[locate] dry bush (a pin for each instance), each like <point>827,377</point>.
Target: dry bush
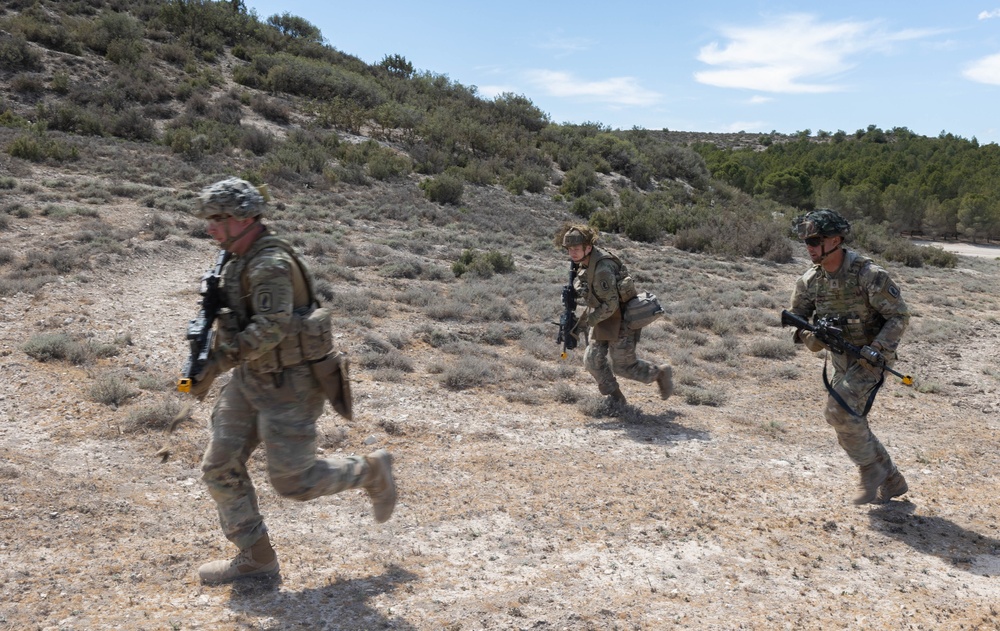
<point>60,346</point>
<point>111,388</point>
<point>155,416</point>
<point>772,348</point>
<point>712,396</point>
<point>469,371</point>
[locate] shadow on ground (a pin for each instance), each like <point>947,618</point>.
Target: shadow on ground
<point>339,605</point>
<point>962,548</point>
<point>658,429</point>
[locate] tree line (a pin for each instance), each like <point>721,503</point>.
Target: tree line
<point>942,187</point>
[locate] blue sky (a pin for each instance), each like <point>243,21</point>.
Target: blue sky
<point>707,66</point>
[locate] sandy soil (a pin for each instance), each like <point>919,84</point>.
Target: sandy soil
<point>513,514</point>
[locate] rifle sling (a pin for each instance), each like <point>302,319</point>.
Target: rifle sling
<point>840,400</point>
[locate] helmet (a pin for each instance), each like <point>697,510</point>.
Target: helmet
<point>231,196</point>
<point>821,222</point>
<point>576,236</point>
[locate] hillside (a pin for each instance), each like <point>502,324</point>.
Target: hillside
<point>525,500</point>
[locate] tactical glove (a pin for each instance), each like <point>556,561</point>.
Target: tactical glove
<point>203,381</point>
<point>872,357</point>
<point>811,341</point>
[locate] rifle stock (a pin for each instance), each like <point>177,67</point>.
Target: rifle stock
<point>833,338</point>
<point>199,331</point>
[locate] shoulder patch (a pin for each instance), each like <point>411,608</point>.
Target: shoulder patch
<point>892,290</point>
<point>264,302</point>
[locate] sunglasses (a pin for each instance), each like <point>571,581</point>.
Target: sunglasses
<point>813,241</point>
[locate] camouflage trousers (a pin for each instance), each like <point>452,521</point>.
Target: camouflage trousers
<point>279,410</point>
<point>854,382</point>
<point>623,361</point>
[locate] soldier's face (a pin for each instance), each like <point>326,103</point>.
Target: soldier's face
<point>578,253</point>
<point>819,247</point>
<point>225,229</point>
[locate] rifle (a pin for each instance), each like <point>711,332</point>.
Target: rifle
<point>199,331</point>
<point>568,321</point>
<point>826,331</point>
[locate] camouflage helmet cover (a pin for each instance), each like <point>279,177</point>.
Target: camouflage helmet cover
<point>576,236</point>
<point>821,222</point>
<point>231,196</point>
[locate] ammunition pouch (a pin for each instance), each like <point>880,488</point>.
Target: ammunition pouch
<point>332,375</point>
<point>308,339</point>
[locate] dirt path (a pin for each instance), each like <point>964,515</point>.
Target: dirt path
<point>965,249</point>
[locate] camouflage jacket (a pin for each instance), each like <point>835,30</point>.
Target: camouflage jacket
<point>866,303</point>
<point>603,285</point>
<point>268,292</point>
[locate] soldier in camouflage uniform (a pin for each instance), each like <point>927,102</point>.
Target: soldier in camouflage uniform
<point>603,284</point>
<point>866,304</point>
<point>270,330</point>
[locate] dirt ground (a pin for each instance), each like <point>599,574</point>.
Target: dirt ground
<point>513,514</point>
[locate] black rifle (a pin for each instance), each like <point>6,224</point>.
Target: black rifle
<point>199,331</point>
<point>827,331</point>
<point>567,321</point>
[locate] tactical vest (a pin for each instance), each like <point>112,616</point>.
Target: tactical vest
<point>307,337</point>
<point>626,287</point>
<point>608,328</point>
<point>844,300</point>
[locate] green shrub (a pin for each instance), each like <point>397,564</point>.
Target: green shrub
<point>39,148</point>
<point>584,206</point>
<point>483,264</point>
<point>939,257</point>
<point>125,51</point>
<point>257,140</point>
<point>271,109</point>
<point>16,54</point>
<point>133,125</point>
<point>579,180</point>
<point>386,165</point>
<point>113,30</point>
<point>27,83</point>
<point>443,189</point>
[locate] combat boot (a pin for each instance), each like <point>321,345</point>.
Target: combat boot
<point>665,380</point>
<point>894,486</point>
<point>379,485</point>
<point>872,476</point>
<point>258,560</point>
<point>617,397</point>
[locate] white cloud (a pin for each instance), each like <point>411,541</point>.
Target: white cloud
<point>564,46</point>
<point>985,70</point>
<point>758,99</point>
<point>622,91</point>
<point>985,15</point>
<point>793,54</point>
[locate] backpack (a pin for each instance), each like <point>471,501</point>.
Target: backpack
<point>641,311</point>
